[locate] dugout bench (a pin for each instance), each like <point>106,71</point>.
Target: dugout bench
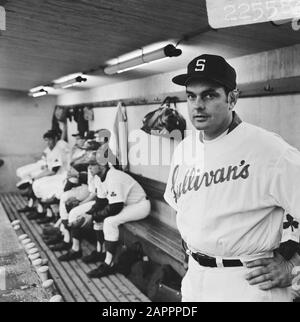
<point>160,241</point>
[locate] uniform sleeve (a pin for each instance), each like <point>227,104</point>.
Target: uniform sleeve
<point>169,193</point>
<point>57,161</point>
<point>115,190</point>
<point>285,190</point>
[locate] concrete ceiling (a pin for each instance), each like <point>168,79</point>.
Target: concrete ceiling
<point>47,39</point>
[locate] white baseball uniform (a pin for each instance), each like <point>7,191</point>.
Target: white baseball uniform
<point>230,195</point>
<point>52,186</point>
<point>117,187</point>
<point>80,211</point>
<point>29,171</point>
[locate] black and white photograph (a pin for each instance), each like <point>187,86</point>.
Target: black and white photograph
<point>149,154</point>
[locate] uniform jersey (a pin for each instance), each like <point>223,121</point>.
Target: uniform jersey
<point>230,193</point>
<point>77,153</point>
<point>119,186</point>
<point>58,157</point>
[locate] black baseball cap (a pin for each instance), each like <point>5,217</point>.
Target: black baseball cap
<point>79,135</point>
<point>51,134</point>
<point>209,67</point>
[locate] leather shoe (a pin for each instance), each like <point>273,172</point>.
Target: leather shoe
<point>60,246</point>
<point>101,271</point>
<point>94,257</point>
<point>25,209</point>
<point>35,215</point>
<point>45,220</point>
<point>52,240</point>
<point>70,255</point>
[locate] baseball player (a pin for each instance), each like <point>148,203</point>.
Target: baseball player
<point>77,220</point>
<point>70,199</point>
<point>230,184</point>
<point>75,193</point>
<point>30,171</point>
<point>37,170</point>
<point>50,183</point>
<point>121,199</point>
<point>27,174</point>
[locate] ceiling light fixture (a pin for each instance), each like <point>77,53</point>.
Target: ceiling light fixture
<point>145,58</point>
<point>38,93</point>
<point>71,82</point>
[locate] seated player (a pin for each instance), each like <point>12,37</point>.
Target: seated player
<point>38,170</point>
<point>76,178</point>
<point>50,182</point>
<point>28,172</point>
<point>77,220</point>
<point>121,199</point>
<point>71,199</point>
<point>75,192</point>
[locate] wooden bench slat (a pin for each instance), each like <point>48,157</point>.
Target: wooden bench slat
<point>157,228</point>
<point>143,230</point>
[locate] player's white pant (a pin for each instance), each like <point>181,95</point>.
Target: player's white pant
<point>228,284</point>
<point>30,170</point>
<point>80,193</point>
<point>129,213</point>
<point>79,212</point>
<point>50,186</point>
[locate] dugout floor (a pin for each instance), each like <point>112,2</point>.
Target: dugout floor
<point>70,278</point>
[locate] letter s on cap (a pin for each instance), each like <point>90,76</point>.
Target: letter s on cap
<point>201,64</point>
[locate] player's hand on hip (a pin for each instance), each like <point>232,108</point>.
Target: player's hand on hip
<point>270,272</point>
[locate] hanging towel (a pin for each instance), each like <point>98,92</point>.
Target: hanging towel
<point>121,134</point>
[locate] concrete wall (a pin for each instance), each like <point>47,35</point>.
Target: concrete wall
<point>23,121</point>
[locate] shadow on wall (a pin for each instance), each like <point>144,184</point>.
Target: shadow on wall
<point>23,121</point>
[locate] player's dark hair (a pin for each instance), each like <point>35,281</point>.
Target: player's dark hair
<point>51,134</point>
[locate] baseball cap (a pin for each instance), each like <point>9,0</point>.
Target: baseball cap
<point>51,134</point>
<point>209,67</point>
<point>79,135</point>
<point>91,145</point>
